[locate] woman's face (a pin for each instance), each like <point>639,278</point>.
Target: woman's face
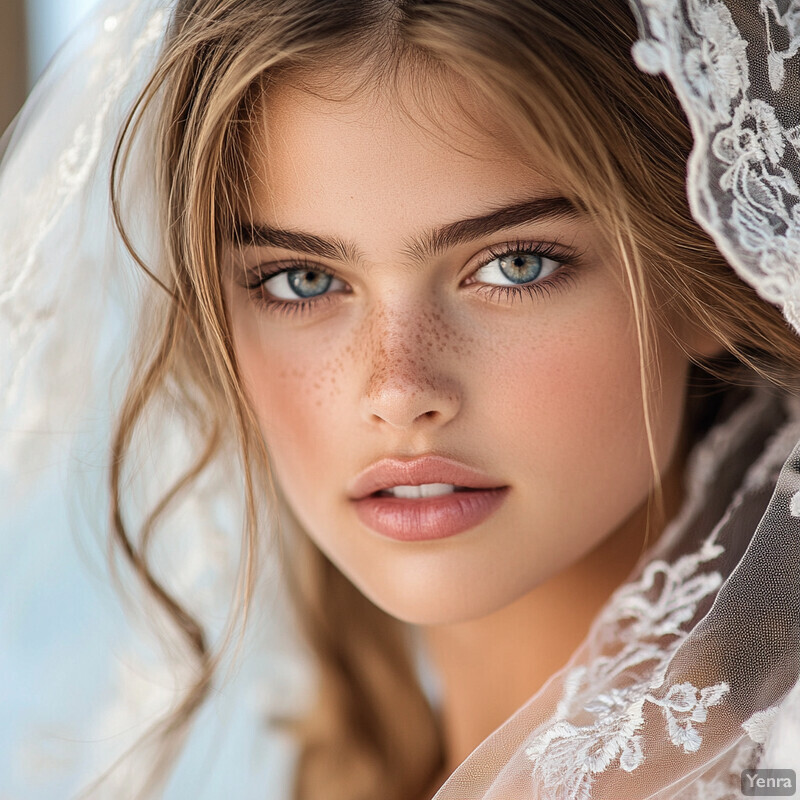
<point>420,301</point>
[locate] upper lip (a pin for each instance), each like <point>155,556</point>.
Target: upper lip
<point>390,472</point>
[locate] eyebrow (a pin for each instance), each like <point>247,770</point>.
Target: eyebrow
<point>423,246</point>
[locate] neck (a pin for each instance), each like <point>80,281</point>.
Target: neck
<point>491,666</point>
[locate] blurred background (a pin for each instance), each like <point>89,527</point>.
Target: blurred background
<point>30,32</point>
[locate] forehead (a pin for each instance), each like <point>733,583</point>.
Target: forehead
<point>408,151</point>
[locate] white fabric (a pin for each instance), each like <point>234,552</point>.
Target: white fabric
<point>83,675</point>
<point>687,676</point>
<point>740,94</point>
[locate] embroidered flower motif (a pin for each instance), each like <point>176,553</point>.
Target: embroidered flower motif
<point>717,69</point>
<point>779,257</point>
<point>743,145</point>
<point>650,629</point>
<point>606,706</point>
<point>755,134</point>
<point>794,505</point>
<point>759,724</point>
<point>683,698</point>
<point>590,749</point>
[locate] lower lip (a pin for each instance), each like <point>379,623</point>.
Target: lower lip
<point>421,519</point>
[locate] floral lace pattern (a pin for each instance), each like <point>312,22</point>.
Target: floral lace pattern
<point>744,172</point>
<point>617,712</point>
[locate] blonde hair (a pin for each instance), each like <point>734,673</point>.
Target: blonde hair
<point>561,76</point>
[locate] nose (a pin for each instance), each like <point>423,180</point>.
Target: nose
<point>408,384</point>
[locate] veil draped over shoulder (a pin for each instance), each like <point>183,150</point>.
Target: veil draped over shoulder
<point>689,674</point>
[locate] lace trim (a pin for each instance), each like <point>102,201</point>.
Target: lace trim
<point>744,173</point>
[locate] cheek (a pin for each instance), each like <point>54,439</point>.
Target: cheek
<point>293,392</point>
<point>585,386</point>
<point>575,377</point>
<point>569,403</point>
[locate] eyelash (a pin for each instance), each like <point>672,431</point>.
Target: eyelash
<point>563,276</point>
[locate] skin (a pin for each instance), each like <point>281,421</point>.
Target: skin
<point>408,357</point>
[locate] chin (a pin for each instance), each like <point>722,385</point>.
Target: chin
<point>428,600</point>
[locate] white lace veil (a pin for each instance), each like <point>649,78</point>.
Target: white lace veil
<point>688,675</point>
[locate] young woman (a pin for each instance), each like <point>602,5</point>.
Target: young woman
<point>430,268</point>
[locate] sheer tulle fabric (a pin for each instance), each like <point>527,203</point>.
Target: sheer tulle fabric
<point>84,671</point>
<point>689,673</point>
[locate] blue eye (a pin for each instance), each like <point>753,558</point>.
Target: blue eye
<point>517,269</point>
<point>526,268</point>
<point>300,284</point>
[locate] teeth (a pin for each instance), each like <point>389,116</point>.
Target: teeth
<point>425,490</point>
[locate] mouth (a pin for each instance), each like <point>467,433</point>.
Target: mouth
<point>423,498</point>
<point>426,476</point>
<point>405,514</point>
